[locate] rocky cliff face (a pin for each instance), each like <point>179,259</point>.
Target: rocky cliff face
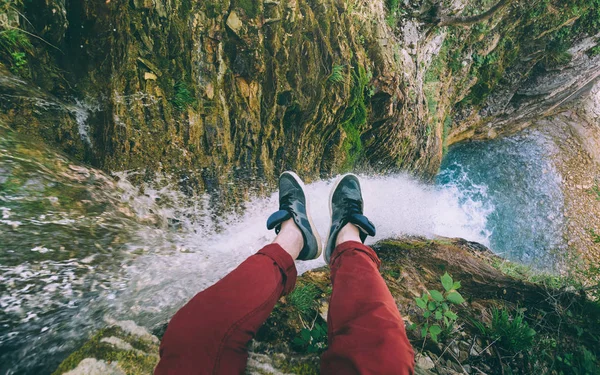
<point>217,89</point>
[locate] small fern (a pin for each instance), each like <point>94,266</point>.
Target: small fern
<point>337,74</point>
<point>510,333</point>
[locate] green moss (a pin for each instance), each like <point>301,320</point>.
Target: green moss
<point>490,70</point>
<point>595,236</point>
<point>355,118</point>
<point>391,273</point>
<point>300,368</point>
<point>392,4</point>
<point>594,51</point>
<point>526,273</point>
<point>249,6</point>
<point>214,8</point>
<point>130,361</point>
<point>445,133</point>
<point>432,103</point>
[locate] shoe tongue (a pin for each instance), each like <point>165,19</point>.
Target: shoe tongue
<point>275,220</point>
<point>365,226</point>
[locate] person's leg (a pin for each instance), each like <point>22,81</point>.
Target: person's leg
<point>366,332</point>
<point>210,334</point>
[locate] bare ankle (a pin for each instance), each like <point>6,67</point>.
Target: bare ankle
<point>349,232</point>
<point>290,238</point>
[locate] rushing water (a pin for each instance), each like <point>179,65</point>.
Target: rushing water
<point>78,247</point>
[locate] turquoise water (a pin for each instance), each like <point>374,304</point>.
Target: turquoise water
<point>516,177</point>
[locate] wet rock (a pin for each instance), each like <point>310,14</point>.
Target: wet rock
<point>424,362</point>
<point>117,342</point>
<point>234,23</point>
<point>92,366</point>
<point>114,351</point>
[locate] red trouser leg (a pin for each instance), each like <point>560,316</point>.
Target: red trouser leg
<point>366,332</point>
<point>210,334</point>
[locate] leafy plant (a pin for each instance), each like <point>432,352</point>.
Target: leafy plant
<point>183,96</point>
<point>580,362</point>
<point>511,334</point>
<point>14,47</point>
<point>19,58</point>
<point>303,298</point>
<point>312,340</point>
<point>337,74</point>
<point>436,308</point>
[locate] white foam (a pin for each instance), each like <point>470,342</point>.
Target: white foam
<point>179,264</point>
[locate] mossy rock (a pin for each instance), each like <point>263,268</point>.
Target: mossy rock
<point>123,348</point>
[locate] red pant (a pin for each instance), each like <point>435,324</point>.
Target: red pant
<point>210,334</point>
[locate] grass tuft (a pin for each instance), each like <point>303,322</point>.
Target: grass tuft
<point>512,334</point>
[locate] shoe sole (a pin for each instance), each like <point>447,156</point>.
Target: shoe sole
<point>335,186</point>
<point>313,228</point>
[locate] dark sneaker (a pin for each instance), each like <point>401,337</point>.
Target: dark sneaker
<point>293,203</point>
<point>346,206</point>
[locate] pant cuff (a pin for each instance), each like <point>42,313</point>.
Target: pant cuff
<point>286,265</point>
<point>354,245</point>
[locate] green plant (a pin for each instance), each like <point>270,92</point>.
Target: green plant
<point>391,273</point>
<point>355,117</point>
<point>445,133</point>
<point>511,334</point>
<point>391,20</point>
<point>249,6</point>
<point>14,47</point>
<point>19,58</point>
<point>183,96</point>
<point>337,74</point>
<point>14,39</point>
<point>392,4</point>
<point>436,309</point>
<point>313,339</point>
<point>303,298</point>
<point>595,236</point>
<point>523,272</point>
<point>579,362</point>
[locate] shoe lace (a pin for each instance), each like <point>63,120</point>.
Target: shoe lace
<point>353,206</point>
<point>285,202</point>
